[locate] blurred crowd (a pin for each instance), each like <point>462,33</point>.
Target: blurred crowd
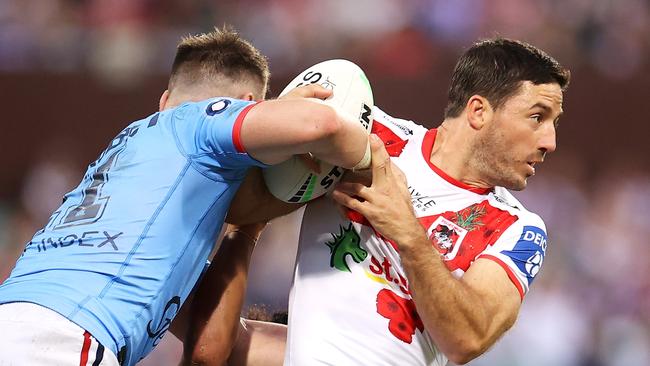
<point>591,305</point>
<point>122,40</point>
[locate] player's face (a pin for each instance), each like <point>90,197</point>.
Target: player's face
<point>521,133</point>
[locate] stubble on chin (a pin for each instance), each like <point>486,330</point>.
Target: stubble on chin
<point>491,160</point>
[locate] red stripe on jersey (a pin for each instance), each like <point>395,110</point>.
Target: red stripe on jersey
<point>511,275</point>
<point>84,349</point>
<point>393,143</point>
<point>427,147</point>
<point>236,129</point>
<point>354,216</point>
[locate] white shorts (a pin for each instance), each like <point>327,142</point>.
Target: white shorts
<point>37,336</point>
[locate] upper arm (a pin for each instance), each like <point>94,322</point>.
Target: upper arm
<point>520,252</point>
<point>503,273</point>
<point>499,297</point>
<point>210,132</point>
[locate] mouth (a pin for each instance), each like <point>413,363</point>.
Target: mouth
<point>531,166</point>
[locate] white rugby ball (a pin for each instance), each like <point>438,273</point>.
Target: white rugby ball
<point>291,181</point>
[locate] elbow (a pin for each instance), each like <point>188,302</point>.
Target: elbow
<point>204,356</point>
<point>465,351</point>
<point>462,357</point>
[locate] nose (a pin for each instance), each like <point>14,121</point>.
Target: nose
<point>547,141</point>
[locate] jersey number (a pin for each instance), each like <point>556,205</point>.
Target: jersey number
<point>93,204</point>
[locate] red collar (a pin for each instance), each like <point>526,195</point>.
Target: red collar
<point>427,147</point>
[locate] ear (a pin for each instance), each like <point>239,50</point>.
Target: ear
<point>479,111</point>
<point>163,100</point>
<point>249,96</point>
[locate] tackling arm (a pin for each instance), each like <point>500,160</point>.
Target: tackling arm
<point>463,316</point>
<point>275,130</point>
<point>254,203</point>
<point>214,313</point>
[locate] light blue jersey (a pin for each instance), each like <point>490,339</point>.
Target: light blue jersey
<point>128,244</point>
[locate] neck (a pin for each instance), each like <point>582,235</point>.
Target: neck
<point>453,152</point>
<point>181,94</point>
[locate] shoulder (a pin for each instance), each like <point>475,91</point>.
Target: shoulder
<point>404,129</point>
<point>212,107</point>
<point>503,199</point>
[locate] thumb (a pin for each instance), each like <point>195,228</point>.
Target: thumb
<point>308,91</point>
<point>317,91</point>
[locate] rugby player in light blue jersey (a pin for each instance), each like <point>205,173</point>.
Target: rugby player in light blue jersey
<point>101,282</point>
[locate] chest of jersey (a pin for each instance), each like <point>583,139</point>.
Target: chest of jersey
<point>461,222</point>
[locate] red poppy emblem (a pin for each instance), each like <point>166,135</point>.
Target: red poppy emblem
<point>401,313</point>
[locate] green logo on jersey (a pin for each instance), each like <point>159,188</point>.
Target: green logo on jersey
<point>344,244</point>
<point>468,218</point>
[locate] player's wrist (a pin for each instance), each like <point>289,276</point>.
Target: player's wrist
<point>413,240</point>
<point>364,163</point>
<point>249,234</point>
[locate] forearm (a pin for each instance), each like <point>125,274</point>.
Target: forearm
<point>346,146</point>
<point>259,344</point>
<point>454,315</point>
<point>219,298</point>
<point>274,131</point>
<point>254,203</point>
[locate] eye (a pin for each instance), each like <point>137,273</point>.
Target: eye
<point>537,117</point>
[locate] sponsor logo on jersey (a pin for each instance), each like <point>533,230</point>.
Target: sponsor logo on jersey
<point>217,107</point>
<point>407,131</point>
<point>528,254</point>
<point>402,316</point>
<point>420,201</point>
<point>384,272</point>
<point>103,240</point>
<point>503,200</point>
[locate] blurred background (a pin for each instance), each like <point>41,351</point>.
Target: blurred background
<point>73,73</point>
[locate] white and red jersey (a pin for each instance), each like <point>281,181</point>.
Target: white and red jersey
<point>350,302</point>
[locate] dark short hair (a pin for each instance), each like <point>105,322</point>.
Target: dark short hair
<point>495,69</point>
<point>219,54</point>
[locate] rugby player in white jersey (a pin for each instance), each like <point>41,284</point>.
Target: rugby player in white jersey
<point>433,258</point>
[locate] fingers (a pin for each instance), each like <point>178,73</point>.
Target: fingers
<point>317,91</point>
<point>380,160</point>
<point>354,189</point>
<point>309,91</point>
<point>399,173</point>
<point>346,200</point>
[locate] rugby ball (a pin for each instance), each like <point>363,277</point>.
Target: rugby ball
<point>291,181</point>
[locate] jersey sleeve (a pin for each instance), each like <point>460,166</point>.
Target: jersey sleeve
<point>520,252</point>
<point>215,138</point>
